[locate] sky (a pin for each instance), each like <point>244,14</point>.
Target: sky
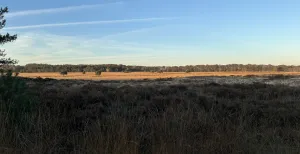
<point>154,32</point>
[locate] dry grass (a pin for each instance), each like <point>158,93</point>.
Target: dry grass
<point>144,75</point>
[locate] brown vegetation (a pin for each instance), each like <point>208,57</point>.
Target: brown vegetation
<point>145,75</point>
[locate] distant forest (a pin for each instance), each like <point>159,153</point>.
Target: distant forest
<point>124,68</point>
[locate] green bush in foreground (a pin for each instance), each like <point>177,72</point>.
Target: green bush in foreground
<point>15,100</point>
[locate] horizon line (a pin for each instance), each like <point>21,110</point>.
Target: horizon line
<point>163,65</point>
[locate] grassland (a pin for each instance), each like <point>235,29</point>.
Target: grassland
<point>144,75</point>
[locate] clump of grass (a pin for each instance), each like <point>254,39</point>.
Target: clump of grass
<point>63,73</point>
<point>98,73</point>
<point>187,71</point>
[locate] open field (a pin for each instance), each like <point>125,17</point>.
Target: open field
<point>144,75</point>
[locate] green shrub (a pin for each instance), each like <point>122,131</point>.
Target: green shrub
<point>64,73</point>
<point>1,72</point>
<point>15,99</point>
<point>187,71</point>
<point>98,73</point>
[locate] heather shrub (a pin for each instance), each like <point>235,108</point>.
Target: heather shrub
<point>98,73</point>
<point>63,73</point>
<point>16,102</point>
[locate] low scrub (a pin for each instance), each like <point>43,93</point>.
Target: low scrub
<point>63,73</point>
<point>158,118</point>
<point>98,73</point>
<point>16,101</point>
<point>280,76</point>
<point>187,71</point>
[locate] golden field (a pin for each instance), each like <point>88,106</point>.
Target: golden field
<point>143,75</point>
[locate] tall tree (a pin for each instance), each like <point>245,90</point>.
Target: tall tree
<point>5,39</point>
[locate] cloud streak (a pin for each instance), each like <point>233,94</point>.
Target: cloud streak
<point>140,30</point>
<point>55,10</point>
<point>88,23</point>
<point>57,49</point>
<point>89,60</point>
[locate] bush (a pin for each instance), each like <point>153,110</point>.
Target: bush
<point>17,73</point>
<point>98,73</point>
<point>15,99</point>
<point>1,72</point>
<point>160,71</point>
<point>39,78</point>
<point>187,71</point>
<point>83,72</point>
<point>64,73</point>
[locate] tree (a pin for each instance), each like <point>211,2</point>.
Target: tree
<point>280,68</point>
<point>127,70</point>
<point>5,39</point>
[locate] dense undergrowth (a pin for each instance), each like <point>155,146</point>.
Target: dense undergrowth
<point>54,117</point>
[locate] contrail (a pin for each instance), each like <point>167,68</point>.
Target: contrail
<point>55,10</point>
<point>132,31</point>
<point>87,23</point>
<point>123,57</point>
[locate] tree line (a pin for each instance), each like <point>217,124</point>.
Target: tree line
<point>31,68</point>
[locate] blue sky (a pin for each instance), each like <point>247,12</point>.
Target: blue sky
<point>154,32</point>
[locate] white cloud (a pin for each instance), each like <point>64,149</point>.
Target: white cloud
<point>37,47</point>
<point>55,10</point>
<point>88,23</point>
<point>56,49</point>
